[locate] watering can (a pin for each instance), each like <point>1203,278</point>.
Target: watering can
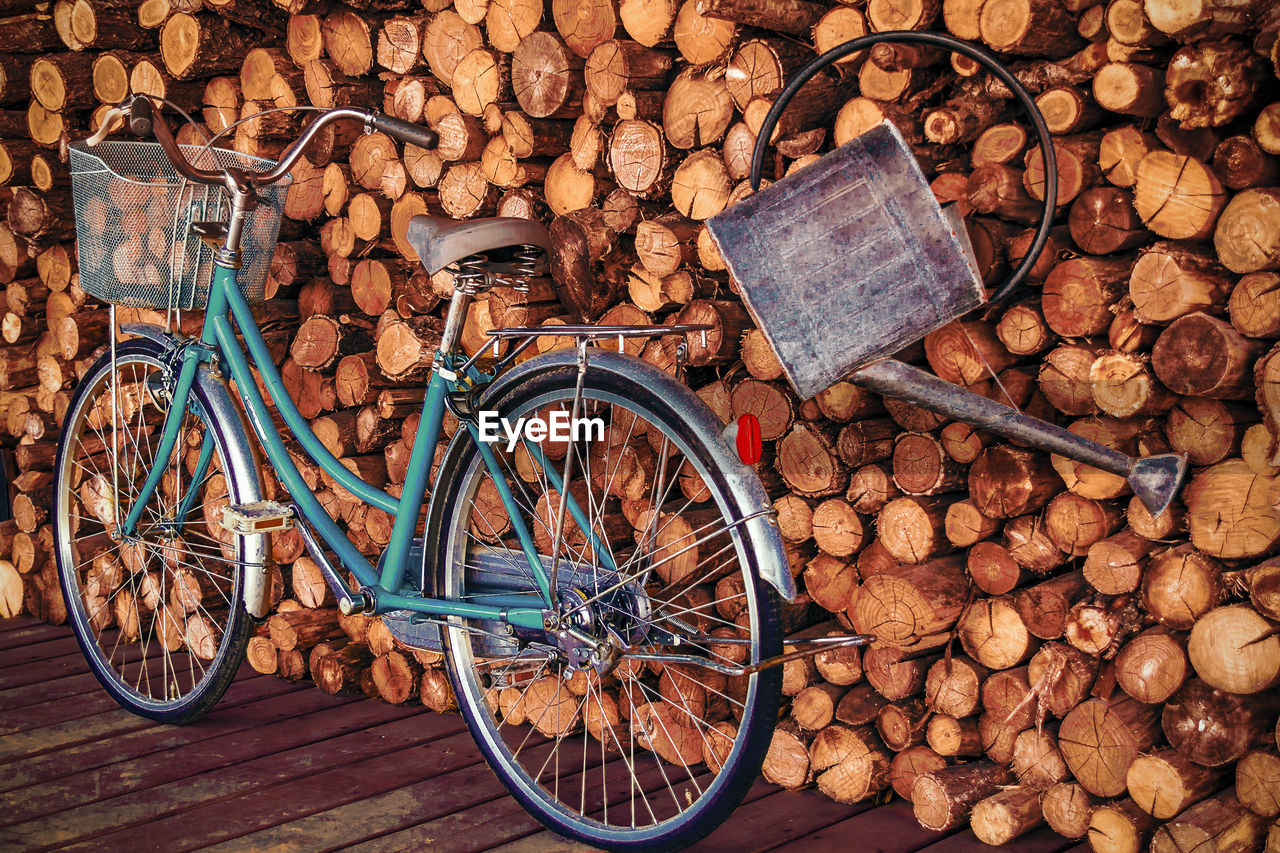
<point>849,260</point>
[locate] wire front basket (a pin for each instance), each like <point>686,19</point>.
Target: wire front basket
<point>133,224</point>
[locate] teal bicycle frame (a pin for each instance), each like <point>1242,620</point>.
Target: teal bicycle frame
<point>389,586</point>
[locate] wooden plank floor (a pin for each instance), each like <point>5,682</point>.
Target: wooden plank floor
<point>280,766</point>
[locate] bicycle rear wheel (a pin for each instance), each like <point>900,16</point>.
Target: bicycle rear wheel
<point>158,615</point>
<point>612,750</point>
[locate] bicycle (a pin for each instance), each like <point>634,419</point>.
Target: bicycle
<point>614,599</point>
<point>627,585</point>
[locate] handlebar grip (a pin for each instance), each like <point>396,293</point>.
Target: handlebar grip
<point>141,119</point>
<point>403,130</point>
<point>144,121</point>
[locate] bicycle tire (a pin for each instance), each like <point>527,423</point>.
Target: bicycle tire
<point>174,567</point>
<point>646,391</point>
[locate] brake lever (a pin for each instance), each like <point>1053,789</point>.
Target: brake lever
<point>105,128</point>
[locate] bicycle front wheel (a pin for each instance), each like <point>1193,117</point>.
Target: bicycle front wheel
<point>607,728</point>
<point>159,614</point>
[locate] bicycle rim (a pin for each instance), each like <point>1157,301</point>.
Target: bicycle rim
<point>158,615</point>
<point>647,754</point>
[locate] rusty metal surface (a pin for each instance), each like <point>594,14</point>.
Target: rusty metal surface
<point>847,260</point>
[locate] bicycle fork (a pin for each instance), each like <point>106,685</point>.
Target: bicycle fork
<point>191,358</point>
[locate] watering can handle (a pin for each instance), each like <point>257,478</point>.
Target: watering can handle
<point>983,57</point>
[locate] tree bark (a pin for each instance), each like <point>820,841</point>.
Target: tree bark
<point>1212,727</point>
<point>1220,823</point>
<point>944,798</point>
<point>1006,815</point>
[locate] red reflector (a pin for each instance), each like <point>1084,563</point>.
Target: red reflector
<point>749,447</point>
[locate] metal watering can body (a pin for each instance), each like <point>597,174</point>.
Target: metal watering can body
<point>850,259</point>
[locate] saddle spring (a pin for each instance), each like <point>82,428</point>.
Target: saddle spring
<point>475,272</point>
<point>530,261</point>
<point>472,275</point>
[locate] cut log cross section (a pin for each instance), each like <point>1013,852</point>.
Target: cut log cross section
<point>1046,650</point>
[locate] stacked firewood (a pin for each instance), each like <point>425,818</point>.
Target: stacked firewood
<point>1048,651</point>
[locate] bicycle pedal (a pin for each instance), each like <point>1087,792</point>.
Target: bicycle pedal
<point>255,518</point>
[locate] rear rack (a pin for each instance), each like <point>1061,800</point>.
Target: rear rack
<point>583,334</point>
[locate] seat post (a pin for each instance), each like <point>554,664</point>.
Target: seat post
<point>455,319</point>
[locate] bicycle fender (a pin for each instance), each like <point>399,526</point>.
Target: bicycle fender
<point>242,458</point>
<point>150,331</point>
<point>743,484</point>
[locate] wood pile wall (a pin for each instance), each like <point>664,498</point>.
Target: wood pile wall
<point>1049,651</point>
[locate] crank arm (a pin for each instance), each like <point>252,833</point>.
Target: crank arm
<point>811,646</point>
<point>349,602</point>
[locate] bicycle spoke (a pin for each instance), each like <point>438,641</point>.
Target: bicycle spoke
<point>672,545</point>
<point>177,588</point>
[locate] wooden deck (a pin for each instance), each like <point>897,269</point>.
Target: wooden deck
<point>281,766</point>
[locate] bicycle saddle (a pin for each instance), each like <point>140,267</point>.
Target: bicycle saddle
<point>440,242</point>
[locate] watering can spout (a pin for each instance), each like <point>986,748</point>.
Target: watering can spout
<point>1156,480</point>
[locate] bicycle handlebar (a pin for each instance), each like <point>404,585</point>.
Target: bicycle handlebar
<point>372,119</point>
<point>144,121</point>
<point>403,130</point>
